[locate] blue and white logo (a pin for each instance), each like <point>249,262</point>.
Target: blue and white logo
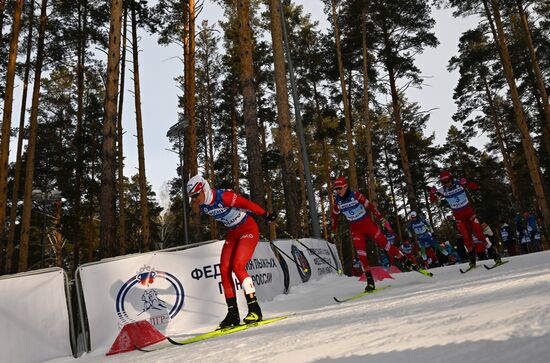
<point>156,296</point>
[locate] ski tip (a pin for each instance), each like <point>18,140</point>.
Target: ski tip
<point>173,341</point>
<point>335,299</point>
<point>141,349</point>
<point>495,265</point>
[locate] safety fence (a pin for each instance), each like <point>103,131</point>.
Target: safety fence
<point>177,290</point>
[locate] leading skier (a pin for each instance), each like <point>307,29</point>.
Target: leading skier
<point>241,239</point>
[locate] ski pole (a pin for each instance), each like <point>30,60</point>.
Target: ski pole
<point>315,253</point>
<point>304,269</point>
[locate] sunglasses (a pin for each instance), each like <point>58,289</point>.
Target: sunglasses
<point>338,188</point>
<point>193,196</point>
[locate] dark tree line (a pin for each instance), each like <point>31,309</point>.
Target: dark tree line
<point>64,198</point>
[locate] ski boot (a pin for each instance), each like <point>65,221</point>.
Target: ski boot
<point>408,264</point>
<point>232,318</point>
<point>254,312</point>
<point>472,257</point>
<point>370,282</point>
<point>494,254</point>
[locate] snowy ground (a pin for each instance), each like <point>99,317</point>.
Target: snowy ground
<point>497,316</point>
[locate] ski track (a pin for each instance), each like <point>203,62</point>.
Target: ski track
<point>496,316</point>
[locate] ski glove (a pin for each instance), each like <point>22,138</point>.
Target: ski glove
<point>270,217</point>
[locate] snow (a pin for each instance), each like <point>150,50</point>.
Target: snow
<point>497,316</point>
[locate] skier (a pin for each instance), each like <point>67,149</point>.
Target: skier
<point>508,238</point>
<point>241,239</point>
<point>357,210</point>
<point>454,192</point>
<point>533,230</point>
<point>410,250</point>
<point>420,230</point>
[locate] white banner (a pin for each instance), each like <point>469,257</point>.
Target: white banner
<point>35,318</point>
<point>178,292</point>
<point>310,259</point>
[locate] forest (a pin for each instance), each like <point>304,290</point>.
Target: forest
<point>270,107</point>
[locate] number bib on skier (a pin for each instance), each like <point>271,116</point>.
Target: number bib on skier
<point>351,208</point>
<point>229,216</point>
<point>455,196</point>
<point>420,227</point>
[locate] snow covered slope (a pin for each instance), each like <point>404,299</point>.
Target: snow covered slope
<point>497,316</point>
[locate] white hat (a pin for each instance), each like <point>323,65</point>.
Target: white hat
<point>198,183</point>
<point>412,214</point>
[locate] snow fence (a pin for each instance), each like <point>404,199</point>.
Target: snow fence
<point>35,316</point>
<point>177,290</point>
<point>180,291</point>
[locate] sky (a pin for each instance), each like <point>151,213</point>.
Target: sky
<point>496,316</point>
<point>159,65</point>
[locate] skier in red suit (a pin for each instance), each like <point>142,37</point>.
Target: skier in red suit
<point>357,209</point>
<point>454,192</point>
<point>240,242</point>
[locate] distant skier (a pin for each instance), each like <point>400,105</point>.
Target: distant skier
<point>410,250</point>
<point>454,192</point>
<point>508,238</point>
<point>357,210</point>
<point>241,239</point>
<point>420,230</point>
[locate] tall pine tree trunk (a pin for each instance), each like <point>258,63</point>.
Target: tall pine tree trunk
<point>31,148</point>
<point>503,149</point>
<point>78,142</point>
<point>521,121</point>
<point>392,192</point>
<point>120,142</point>
<point>283,117</point>
<point>255,170</point>
<point>191,111</point>
<point>107,202</point>
<point>6,116</point>
<point>144,209</point>
<point>541,87</point>
<point>371,181</point>
<point>268,189</point>
<point>235,166</point>
<point>347,112</point>
<point>396,115</point>
<point>209,130</point>
<point>20,137</point>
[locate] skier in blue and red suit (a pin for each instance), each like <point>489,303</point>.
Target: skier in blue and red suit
<point>357,209</point>
<point>454,192</point>
<point>241,239</point>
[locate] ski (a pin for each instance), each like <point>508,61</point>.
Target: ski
<point>468,269</point>
<point>495,265</point>
<point>360,295</point>
<point>225,331</point>
<point>424,272</point>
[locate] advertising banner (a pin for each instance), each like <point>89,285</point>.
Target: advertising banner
<point>309,260</point>
<point>34,314</point>
<point>178,292</point>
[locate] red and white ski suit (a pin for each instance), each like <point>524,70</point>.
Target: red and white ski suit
<point>240,240</point>
<point>466,219</point>
<point>357,209</point>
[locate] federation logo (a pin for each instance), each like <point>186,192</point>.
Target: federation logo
<point>156,296</point>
